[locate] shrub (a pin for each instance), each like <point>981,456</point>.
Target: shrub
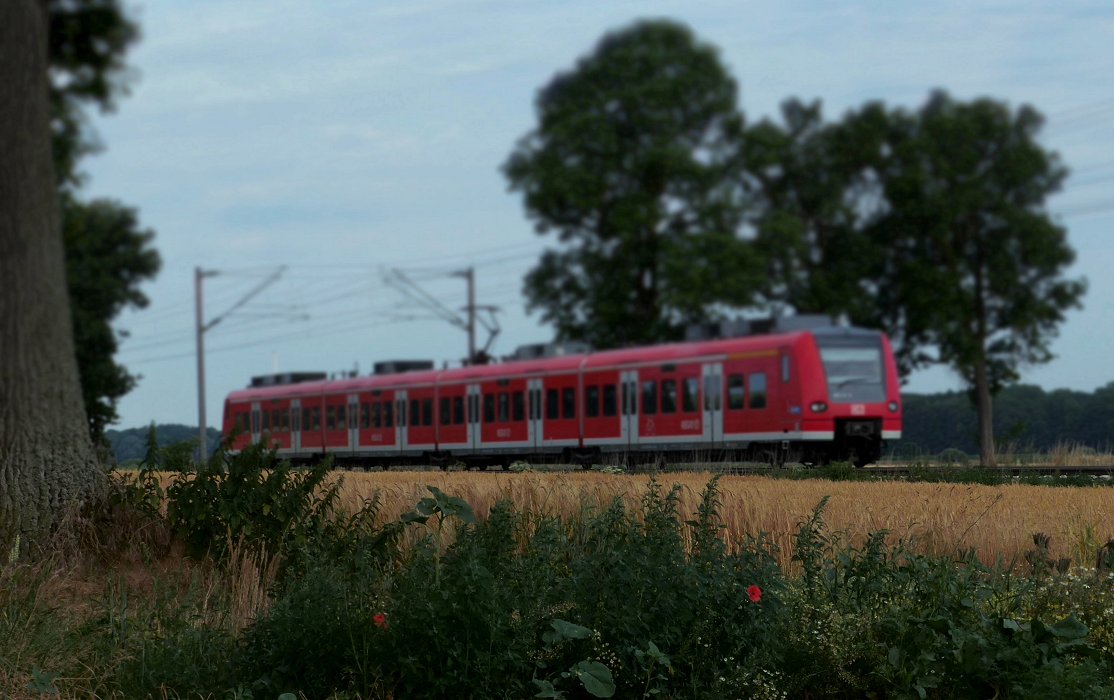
<point>252,498</point>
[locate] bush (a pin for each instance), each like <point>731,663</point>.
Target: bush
<point>252,498</point>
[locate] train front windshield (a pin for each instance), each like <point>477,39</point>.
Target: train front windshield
<point>856,373</point>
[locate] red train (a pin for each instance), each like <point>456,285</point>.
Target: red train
<point>815,395</point>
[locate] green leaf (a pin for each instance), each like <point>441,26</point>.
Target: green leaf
<point>570,630</point>
<point>413,517</point>
<point>1069,628</point>
<point>596,678</point>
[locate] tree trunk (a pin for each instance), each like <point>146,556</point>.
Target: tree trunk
<point>47,463</point>
<point>985,405</point>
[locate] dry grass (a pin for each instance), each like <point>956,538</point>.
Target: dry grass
<point>994,521</point>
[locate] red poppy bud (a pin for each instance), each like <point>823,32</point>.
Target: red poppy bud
<point>755,594</point>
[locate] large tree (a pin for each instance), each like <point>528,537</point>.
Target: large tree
<point>629,165</point>
<point>974,262</point>
<point>46,456</point>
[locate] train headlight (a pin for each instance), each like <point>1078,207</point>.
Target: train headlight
<point>892,406</point>
<point>818,407</point>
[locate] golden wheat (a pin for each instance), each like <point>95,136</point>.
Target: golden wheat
<point>941,519</point>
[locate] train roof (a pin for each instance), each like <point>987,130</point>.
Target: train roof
<point>566,363</point>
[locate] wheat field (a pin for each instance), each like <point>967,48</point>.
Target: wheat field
<point>996,522</point>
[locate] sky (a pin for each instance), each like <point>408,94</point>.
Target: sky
<point>315,158</point>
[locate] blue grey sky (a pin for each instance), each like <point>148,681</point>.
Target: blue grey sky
<point>343,139</point>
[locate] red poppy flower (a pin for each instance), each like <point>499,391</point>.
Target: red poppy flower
<point>380,620</point>
<point>755,594</point>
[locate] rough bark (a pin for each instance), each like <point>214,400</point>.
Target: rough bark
<point>47,463</point>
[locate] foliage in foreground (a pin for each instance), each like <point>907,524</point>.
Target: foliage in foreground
<point>609,602</point>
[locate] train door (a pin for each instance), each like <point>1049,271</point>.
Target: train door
<point>629,424</point>
<point>400,420</point>
<point>256,423</point>
<point>536,426</point>
<point>353,421</point>
<point>475,437</point>
<point>713,402</point>
<point>296,425</point>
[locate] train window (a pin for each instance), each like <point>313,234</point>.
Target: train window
<point>649,397</point>
<point>690,392</point>
<point>330,418</point>
<point>568,403</point>
<point>552,404</point>
<point>489,408</point>
<point>388,414</point>
<point>504,407</point>
<point>415,412</point>
<point>446,408</point>
<point>669,396</point>
<point>736,391</point>
<point>519,406</point>
<point>353,416</point>
<point>341,418</point>
<point>365,415</point>
<point>315,413</point>
<point>285,416</point>
<point>458,410</point>
<point>427,411</point>
<point>592,401</point>
<point>784,368</point>
<point>266,420</point>
<point>376,415</point>
<point>609,400</point>
<point>758,390</point>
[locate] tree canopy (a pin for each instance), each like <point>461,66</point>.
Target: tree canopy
<point>107,256</point>
<point>630,165</point>
<point>87,45</point>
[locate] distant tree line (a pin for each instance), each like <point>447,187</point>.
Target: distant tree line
<point>131,445</point>
<point>1026,419</point>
